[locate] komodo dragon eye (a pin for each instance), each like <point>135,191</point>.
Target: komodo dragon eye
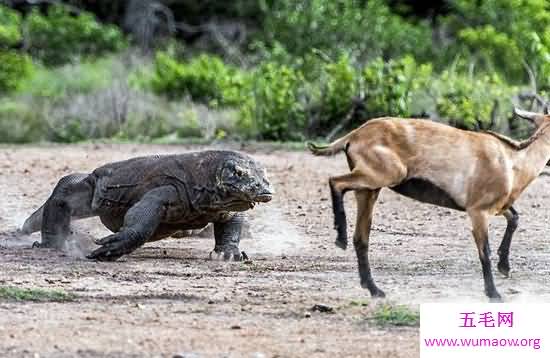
<point>239,172</point>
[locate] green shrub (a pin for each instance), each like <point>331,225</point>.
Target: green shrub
<point>493,49</point>
<point>468,102</point>
<point>70,79</point>
<point>59,36</point>
<point>341,85</point>
<point>20,123</point>
<point>151,117</point>
<point>365,29</point>
<point>274,111</point>
<point>390,86</point>
<point>10,31</point>
<point>14,68</point>
<point>205,79</point>
<point>506,36</point>
<point>540,46</point>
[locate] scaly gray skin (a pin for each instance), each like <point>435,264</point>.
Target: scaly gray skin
<point>150,198</point>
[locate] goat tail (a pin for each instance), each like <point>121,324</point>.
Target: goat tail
<point>330,149</point>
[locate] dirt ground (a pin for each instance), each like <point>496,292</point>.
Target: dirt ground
<point>167,298</point>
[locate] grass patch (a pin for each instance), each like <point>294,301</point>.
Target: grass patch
<point>359,303</point>
<point>400,315</point>
<point>34,294</point>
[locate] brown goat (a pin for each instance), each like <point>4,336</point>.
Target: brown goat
<point>480,173</point>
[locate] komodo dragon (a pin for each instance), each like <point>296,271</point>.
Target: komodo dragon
<point>150,198</point>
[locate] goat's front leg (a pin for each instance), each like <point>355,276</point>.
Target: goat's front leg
<point>512,219</point>
<point>481,235</point>
<point>365,204</point>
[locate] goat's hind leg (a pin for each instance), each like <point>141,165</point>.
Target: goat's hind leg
<point>365,204</point>
<point>512,219</point>
<point>72,197</point>
<point>340,222</point>
<point>481,236</point>
<point>360,178</point>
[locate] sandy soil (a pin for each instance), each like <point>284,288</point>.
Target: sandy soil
<point>167,298</point>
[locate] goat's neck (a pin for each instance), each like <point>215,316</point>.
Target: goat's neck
<point>534,157</point>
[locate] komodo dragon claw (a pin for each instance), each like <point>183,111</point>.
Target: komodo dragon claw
<point>227,255</point>
<point>114,246</point>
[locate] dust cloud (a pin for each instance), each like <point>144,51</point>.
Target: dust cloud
<point>78,244</point>
<point>271,233</point>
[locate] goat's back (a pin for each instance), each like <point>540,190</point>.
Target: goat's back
<point>457,161</point>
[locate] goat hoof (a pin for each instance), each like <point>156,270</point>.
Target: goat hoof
<point>504,269</point>
<point>343,244</point>
<point>378,293</point>
<point>374,292</point>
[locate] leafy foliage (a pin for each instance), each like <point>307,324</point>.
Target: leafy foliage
<point>20,123</point>
<point>341,84</point>
<point>471,102</point>
<point>389,86</point>
<point>274,111</point>
<point>14,67</point>
<point>10,22</point>
<point>507,36</point>
<point>62,81</point>
<point>303,65</point>
<point>205,79</point>
<point>365,29</point>
<point>59,36</point>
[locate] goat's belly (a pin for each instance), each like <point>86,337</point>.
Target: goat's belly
<point>427,192</point>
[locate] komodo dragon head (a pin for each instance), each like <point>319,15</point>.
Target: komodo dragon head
<point>244,183</point>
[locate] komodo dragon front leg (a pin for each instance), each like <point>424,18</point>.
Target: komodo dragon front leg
<point>140,223</point>
<point>228,236</point>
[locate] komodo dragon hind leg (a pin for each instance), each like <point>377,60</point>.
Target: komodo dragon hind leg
<point>72,197</point>
<point>140,224</point>
<point>228,235</point>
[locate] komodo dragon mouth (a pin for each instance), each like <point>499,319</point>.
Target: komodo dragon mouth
<point>242,205</point>
<point>263,197</point>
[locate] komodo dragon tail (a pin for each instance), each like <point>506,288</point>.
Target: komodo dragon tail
<point>33,222</point>
<point>331,149</point>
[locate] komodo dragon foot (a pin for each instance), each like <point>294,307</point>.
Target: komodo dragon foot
<point>114,246</point>
<point>58,244</point>
<point>228,235</point>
